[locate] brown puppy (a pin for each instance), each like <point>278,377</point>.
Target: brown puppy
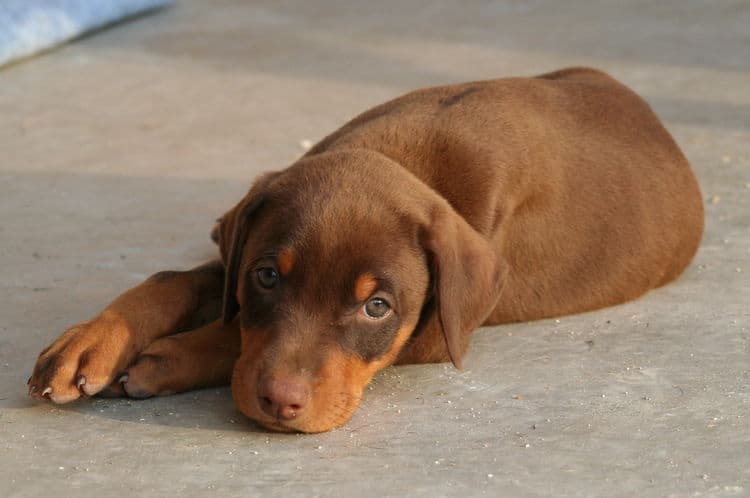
<point>393,239</point>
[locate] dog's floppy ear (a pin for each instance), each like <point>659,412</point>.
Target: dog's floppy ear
<point>467,277</point>
<point>232,234</point>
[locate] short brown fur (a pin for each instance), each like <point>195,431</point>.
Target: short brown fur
<point>480,203</point>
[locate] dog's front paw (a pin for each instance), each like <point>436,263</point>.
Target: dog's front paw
<point>82,361</point>
<point>149,375</point>
<point>144,378</point>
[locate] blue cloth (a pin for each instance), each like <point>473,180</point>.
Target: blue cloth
<point>28,26</point>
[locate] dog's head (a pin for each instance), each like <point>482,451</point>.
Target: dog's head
<point>331,265</point>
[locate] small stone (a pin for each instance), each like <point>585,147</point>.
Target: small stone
<point>490,476</point>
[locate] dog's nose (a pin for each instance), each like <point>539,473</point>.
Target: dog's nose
<point>284,398</point>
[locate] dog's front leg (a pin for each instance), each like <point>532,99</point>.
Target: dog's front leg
<point>87,357</point>
<point>203,357</point>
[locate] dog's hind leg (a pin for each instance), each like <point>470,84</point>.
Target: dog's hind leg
<point>89,356</point>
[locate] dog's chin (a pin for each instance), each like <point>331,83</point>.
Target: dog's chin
<point>306,425</point>
<point>275,426</point>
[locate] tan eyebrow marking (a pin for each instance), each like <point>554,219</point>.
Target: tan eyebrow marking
<point>285,260</point>
<point>364,286</point>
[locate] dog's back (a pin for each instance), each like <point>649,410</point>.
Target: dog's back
<point>570,174</point>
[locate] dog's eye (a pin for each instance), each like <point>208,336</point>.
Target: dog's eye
<point>267,277</point>
<point>377,307</point>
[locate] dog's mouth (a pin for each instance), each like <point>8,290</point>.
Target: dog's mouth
<point>276,426</point>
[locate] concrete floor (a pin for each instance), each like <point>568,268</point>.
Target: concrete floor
<point>118,151</point>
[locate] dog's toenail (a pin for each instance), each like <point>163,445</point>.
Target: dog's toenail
<point>46,391</point>
<point>28,381</point>
<point>80,380</point>
<point>32,390</point>
<point>123,378</point>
